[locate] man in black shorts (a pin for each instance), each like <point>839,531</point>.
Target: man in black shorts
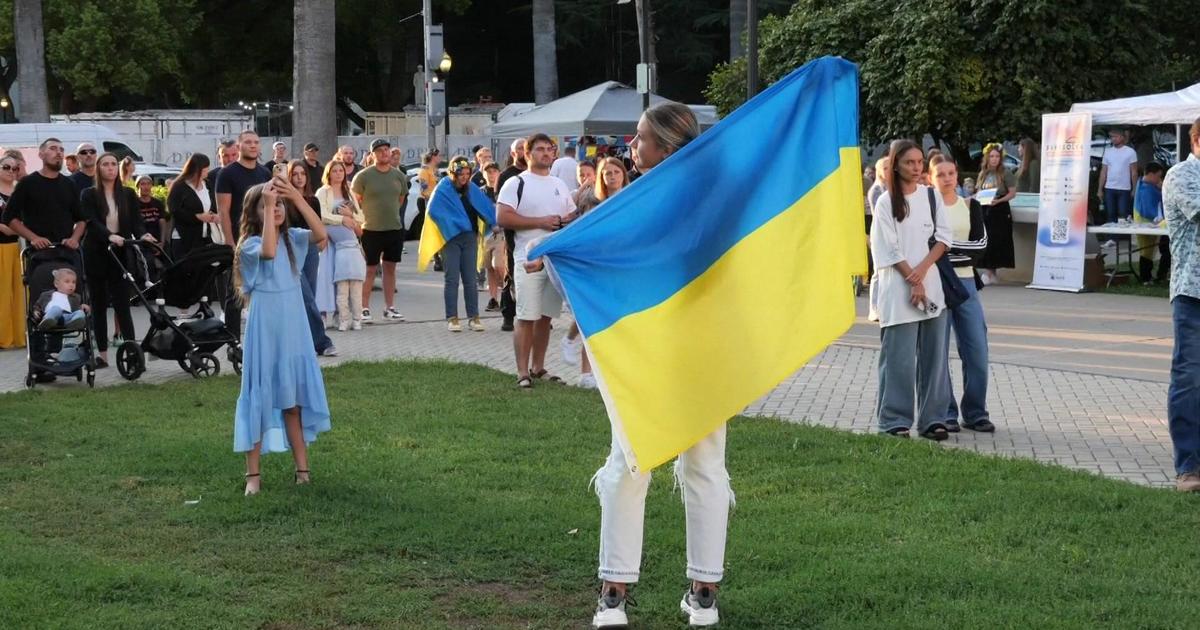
<point>381,191</point>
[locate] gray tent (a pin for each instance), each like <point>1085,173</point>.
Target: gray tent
<point>607,109</point>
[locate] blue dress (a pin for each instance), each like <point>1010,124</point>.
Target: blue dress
<point>278,372</point>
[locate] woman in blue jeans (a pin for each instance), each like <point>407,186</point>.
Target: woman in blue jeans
<point>461,214</point>
<point>970,328</point>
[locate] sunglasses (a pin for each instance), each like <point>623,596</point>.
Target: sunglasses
<point>7,167</point>
<point>87,152</point>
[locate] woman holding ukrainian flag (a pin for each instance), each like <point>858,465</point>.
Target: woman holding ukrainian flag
<point>458,216</point>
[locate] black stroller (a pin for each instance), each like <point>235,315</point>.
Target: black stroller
<point>159,282</point>
<point>67,351</point>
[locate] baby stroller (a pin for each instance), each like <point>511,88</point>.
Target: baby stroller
<point>190,341</point>
<point>57,351</point>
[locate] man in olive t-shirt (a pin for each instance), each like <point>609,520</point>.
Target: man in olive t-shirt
<point>380,191</point>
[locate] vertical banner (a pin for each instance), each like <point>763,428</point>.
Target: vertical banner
<point>1062,209</point>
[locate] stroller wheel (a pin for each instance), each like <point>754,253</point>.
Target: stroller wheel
<point>29,380</point>
<point>203,364</point>
<point>131,361</point>
<point>91,379</point>
<point>234,355</point>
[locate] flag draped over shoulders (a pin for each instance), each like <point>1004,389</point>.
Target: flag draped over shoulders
<point>446,218</point>
<point>724,269</point>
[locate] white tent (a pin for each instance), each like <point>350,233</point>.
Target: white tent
<point>607,109</point>
<point>1171,108</point>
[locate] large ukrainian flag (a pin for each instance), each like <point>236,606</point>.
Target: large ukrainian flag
<point>724,269</point>
<point>446,218</point>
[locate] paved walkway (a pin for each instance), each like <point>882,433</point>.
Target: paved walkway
<point>1076,380</point>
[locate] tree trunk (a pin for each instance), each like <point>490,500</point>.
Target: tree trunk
<point>737,26</point>
<point>34,103</point>
<point>313,77</point>
<point>545,53</point>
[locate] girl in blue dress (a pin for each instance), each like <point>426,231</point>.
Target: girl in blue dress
<point>282,404</point>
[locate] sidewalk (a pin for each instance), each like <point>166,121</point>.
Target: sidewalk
<point>1076,380</point>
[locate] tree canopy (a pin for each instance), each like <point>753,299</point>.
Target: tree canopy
<point>974,70</point>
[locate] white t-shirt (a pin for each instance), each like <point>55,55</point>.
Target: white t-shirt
<point>907,240</point>
<point>1118,160</point>
<point>60,299</point>
<point>564,168</point>
<point>543,196</point>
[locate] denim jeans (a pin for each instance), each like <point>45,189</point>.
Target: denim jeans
<point>1183,396</point>
<point>970,333</point>
<point>701,475</point>
<point>1118,204</point>
<point>308,279</point>
<point>912,359</point>
<point>460,258</point>
<point>63,317</point>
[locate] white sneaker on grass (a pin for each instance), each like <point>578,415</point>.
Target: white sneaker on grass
<point>587,381</point>
<point>570,350</point>
<point>610,609</point>
<point>700,607</point>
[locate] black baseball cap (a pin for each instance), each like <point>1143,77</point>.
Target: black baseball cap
<point>380,142</point>
<point>311,146</point>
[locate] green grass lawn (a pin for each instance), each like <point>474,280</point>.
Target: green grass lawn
<point>445,498</point>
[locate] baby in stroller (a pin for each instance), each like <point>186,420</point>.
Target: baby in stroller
<point>60,307</point>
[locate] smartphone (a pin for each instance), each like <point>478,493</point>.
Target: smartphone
<point>278,169</point>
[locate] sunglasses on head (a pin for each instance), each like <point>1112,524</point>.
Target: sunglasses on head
<point>87,152</point>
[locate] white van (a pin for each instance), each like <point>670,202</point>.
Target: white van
<point>30,135</point>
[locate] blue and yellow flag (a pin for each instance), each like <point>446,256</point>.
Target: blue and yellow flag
<point>724,269</point>
<point>445,218</point>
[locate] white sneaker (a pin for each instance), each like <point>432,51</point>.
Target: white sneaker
<point>366,315</point>
<point>392,313</point>
<point>452,325</point>
<point>1109,244</point>
<point>701,608</point>
<point>587,381</point>
<point>570,350</point>
<point>329,352</point>
<point>356,325</point>
<point>343,326</point>
<point>475,325</point>
<point>610,610</point>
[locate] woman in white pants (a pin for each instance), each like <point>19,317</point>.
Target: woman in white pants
<point>700,470</point>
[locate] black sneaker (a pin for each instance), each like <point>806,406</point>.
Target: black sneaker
<point>700,607</point>
<point>507,326</point>
<point>492,306</point>
<point>610,609</point>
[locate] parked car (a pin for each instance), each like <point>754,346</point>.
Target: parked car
<point>159,173</point>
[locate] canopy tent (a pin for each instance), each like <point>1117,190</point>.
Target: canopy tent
<point>1171,108</point>
<point>607,109</point>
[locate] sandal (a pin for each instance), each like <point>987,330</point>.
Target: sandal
<point>525,382</point>
<point>936,432</point>
<point>249,476</point>
<point>300,481</point>
<point>543,373</point>
<point>983,426</point>
<point>900,432</point>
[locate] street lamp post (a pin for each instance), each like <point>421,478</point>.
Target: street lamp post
<point>751,48</point>
<point>444,69</point>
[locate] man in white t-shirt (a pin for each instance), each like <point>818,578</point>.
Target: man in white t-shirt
<point>534,204</point>
<point>1118,172</point>
<point>564,168</point>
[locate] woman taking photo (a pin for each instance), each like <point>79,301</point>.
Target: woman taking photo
<point>12,291</point>
<point>997,214</point>
<point>968,242</point>
<point>297,176</point>
<point>196,223</point>
<point>113,218</point>
<point>907,300</point>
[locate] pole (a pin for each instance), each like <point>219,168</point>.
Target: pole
<point>751,48</point>
<point>644,45</point>
<point>427,20</point>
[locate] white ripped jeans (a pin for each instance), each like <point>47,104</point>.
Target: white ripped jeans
<point>700,471</point>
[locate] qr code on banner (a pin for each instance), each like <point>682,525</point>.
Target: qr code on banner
<point>1058,231</point>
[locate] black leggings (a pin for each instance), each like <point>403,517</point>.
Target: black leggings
<point>108,287</point>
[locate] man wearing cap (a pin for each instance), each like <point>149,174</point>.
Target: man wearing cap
<point>279,156</point>
<point>380,191</point>
<point>312,165</point>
